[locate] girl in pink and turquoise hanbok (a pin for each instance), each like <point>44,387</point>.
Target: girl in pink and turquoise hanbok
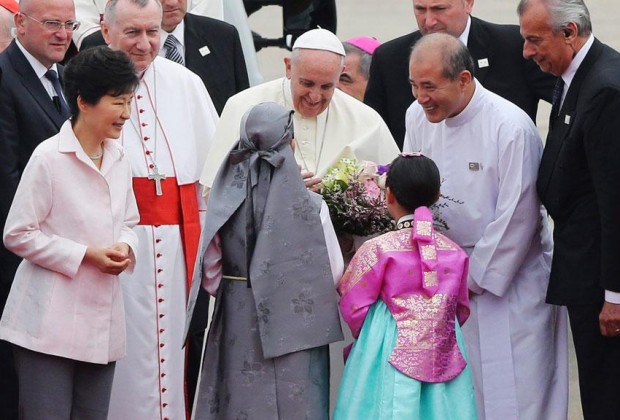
<point>404,297</point>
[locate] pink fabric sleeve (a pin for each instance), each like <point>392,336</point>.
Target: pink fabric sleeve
<point>462,304</point>
<point>212,266</point>
<point>360,287</point>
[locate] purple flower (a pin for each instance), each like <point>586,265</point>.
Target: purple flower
<point>382,169</point>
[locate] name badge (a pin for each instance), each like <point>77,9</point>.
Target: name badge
<point>483,62</point>
<point>204,51</point>
<point>567,119</point>
<point>475,166</point>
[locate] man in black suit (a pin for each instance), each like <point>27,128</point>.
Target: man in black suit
<point>31,110</point>
<point>208,47</point>
<point>578,182</point>
<point>496,50</point>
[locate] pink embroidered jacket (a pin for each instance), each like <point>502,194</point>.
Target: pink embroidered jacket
<point>422,277</point>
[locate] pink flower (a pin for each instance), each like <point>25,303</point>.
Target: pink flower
<point>372,189</point>
<point>369,170</point>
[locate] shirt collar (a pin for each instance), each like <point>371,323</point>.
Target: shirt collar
<point>569,73</point>
<point>405,218</point>
<point>465,35</point>
<point>36,65</point>
<point>179,34</point>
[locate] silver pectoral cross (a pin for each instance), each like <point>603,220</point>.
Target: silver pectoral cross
<point>157,177</point>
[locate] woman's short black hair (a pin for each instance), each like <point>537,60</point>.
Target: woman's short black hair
<point>96,72</point>
<point>414,180</point>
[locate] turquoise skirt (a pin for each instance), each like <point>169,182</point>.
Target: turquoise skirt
<point>371,388</point>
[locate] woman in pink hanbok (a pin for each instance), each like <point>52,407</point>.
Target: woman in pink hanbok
<point>404,296</point>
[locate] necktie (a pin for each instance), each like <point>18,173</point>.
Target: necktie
<point>58,99</point>
<point>556,101</point>
<point>172,53</point>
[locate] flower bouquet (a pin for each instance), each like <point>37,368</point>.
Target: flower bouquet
<point>354,193</point>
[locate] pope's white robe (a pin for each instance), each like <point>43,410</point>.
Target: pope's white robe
<point>149,381</point>
<point>347,128</point>
<point>488,157</point>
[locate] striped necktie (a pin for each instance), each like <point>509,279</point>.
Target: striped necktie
<point>172,52</point>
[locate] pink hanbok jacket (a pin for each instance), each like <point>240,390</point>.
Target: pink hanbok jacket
<point>422,277</point>
<point>63,204</point>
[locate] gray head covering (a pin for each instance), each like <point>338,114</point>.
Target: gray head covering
<point>289,269</point>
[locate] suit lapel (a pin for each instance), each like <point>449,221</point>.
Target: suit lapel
<point>33,85</point>
<point>195,60</point>
<point>564,120</point>
<point>480,50</point>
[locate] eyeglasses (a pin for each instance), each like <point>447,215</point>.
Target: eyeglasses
<point>56,25</point>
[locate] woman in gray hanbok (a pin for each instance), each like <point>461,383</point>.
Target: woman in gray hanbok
<point>264,255</point>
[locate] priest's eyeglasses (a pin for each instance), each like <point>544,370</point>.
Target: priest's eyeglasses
<point>56,25</point>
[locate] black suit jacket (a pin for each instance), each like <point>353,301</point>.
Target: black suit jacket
<point>506,73</point>
<point>222,70</point>
<point>579,183</point>
<point>27,117</point>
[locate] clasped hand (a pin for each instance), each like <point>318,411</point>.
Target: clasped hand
<point>113,260</point>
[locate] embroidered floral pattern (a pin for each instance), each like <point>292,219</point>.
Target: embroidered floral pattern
<point>428,252</point>
<point>430,278</point>
<point>263,312</point>
<point>303,210</point>
<point>251,370</point>
<point>239,178</point>
<point>426,347</point>
<point>368,256</point>
<point>302,304</point>
<point>423,228</point>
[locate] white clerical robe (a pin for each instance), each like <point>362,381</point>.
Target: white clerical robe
<point>172,122</point>
<point>488,157</point>
<point>347,128</point>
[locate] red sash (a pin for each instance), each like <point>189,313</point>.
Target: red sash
<point>178,205</point>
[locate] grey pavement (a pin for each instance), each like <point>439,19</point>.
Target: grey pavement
<point>388,19</point>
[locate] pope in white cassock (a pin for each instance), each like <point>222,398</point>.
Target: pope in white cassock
<point>167,138</point>
<point>488,152</point>
<point>329,124</point>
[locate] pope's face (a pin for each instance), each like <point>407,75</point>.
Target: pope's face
<point>447,16</point>
<point>439,96</point>
<point>314,77</point>
<point>551,51</point>
<point>173,13</point>
<point>135,30</point>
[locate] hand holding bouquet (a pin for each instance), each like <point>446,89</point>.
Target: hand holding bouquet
<point>354,193</point>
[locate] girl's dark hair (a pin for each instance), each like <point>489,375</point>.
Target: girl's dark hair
<point>96,72</point>
<point>414,180</point>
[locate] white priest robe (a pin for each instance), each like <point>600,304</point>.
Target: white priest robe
<point>347,128</point>
<point>172,122</point>
<point>488,157</point>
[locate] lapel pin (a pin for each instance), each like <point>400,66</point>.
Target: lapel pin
<point>204,51</point>
<point>483,62</point>
<point>567,119</point>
